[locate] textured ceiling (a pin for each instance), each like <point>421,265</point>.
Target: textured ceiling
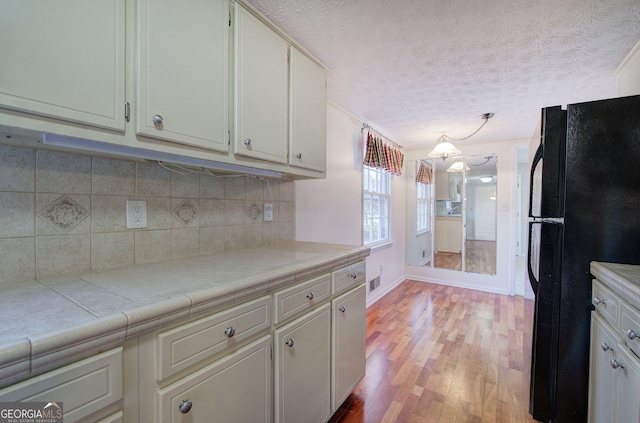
<point>415,69</point>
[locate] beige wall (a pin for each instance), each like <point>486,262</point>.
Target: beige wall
<point>63,213</point>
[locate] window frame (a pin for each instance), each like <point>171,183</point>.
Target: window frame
<point>376,185</point>
<point>423,198</point>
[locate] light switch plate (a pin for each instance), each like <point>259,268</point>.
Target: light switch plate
<point>136,214</point>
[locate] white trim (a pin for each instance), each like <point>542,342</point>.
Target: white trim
<point>380,246</point>
<point>630,56</point>
<point>456,284</point>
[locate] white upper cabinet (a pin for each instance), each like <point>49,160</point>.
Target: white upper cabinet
<point>308,113</point>
<point>183,51</point>
<point>261,89</point>
<point>64,59</point>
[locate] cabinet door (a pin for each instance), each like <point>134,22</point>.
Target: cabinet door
<point>74,70</point>
<point>183,51</point>
<point>348,344</point>
<point>601,375</point>
<point>302,367</point>
<point>261,90</point>
<point>235,388</point>
<point>627,405</point>
<point>308,113</point>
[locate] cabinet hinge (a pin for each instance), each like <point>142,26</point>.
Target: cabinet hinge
<point>127,111</point>
<point>228,137</point>
<point>229,19</point>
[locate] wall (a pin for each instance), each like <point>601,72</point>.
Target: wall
<point>629,73</point>
<point>64,213</point>
<point>329,210</point>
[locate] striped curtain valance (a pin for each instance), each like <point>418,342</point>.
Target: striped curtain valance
<point>424,174</point>
<point>382,153</point>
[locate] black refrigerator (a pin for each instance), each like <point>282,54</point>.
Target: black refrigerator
<point>584,205</point>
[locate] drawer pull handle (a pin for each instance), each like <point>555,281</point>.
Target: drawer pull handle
<point>290,342</point>
<point>247,142</point>
<point>299,156</point>
<point>354,275</point>
<point>157,120</point>
<point>230,331</point>
<point>342,309</point>
<point>310,295</point>
<point>631,334</point>
<point>185,406</point>
<point>597,301</point>
<point>606,347</point>
<point>615,364</point>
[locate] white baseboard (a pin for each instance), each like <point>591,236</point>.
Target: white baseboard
<point>456,284</point>
<point>382,291</point>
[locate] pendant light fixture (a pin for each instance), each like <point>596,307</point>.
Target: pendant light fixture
<point>444,148</point>
<point>457,166</point>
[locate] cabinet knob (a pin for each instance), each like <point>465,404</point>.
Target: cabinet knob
<point>310,295</point>
<point>230,331</point>
<point>606,347</point>
<point>354,275</point>
<point>615,364</point>
<point>185,406</point>
<point>290,342</point>
<point>631,334</point>
<point>299,156</point>
<point>157,120</point>
<point>597,301</point>
<point>342,309</point>
<point>247,142</point>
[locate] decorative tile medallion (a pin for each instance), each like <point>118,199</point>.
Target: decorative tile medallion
<point>254,211</point>
<point>64,214</point>
<point>186,212</point>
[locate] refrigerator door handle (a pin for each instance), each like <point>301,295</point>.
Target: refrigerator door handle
<point>532,277</point>
<point>534,164</point>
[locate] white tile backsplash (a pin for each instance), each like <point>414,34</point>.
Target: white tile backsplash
<point>90,193</point>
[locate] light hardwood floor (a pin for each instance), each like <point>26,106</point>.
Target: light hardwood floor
<point>444,354</point>
<point>480,257</point>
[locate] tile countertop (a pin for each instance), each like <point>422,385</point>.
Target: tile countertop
<point>623,279</point>
<point>51,322</point>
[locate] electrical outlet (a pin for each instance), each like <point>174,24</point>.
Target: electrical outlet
<point>136,214</point>
<point>268,212</point>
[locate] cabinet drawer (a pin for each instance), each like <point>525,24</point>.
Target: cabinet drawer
<point>188,344</point>
<point>83,387</point>
<point>349,277</point>
<point>301,297</point>
<point>630,326</point>
<point>605,302</point>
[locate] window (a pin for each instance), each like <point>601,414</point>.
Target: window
<point>423,199</point>
<point>376,205</point>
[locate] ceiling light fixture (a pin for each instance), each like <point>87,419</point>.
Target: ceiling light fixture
<point>444,148</point>
<point>457,166</point>
<point>486,179</point>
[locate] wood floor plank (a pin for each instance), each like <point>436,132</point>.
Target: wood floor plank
<point>444,354</point>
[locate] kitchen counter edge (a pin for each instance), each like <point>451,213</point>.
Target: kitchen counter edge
<point>36,353</point>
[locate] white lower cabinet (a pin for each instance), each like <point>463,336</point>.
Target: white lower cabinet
<point>235,388</point>
<point>614,369</point>
<point>302,368</point>
<point>348,343</point>
<point>601,374</point>
<point>88,389</point>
